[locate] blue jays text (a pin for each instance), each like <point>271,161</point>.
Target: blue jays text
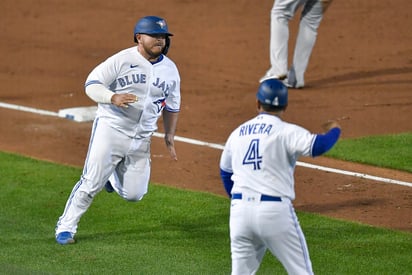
<point>141,78</point>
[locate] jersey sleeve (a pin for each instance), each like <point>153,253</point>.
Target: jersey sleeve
<point>226,157</point>
<point>325,142</point>
<point>174,98</point>
<point>105,73</point>
<point>299,141</point>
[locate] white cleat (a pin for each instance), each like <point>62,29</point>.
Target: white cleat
<point>292,85</point>
<point>271,76</point>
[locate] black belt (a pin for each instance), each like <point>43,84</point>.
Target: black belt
<point>238,196</point>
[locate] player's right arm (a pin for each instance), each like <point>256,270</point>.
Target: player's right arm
<point>102,76</point>
<point>226,171</point>
<point>100,94</point>
<point>227,181</point>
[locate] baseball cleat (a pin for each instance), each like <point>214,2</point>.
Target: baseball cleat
<point>65,238</point>
<point>291,85</point>
<point>109,188</point>
<point>292,82</point>
<point>271,76</point>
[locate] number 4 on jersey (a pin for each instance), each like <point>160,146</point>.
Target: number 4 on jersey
<point>252,155</point>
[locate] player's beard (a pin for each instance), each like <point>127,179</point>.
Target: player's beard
<point>154,51</point>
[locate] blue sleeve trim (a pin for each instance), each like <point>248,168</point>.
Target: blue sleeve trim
<point>325,142</point>
<point>92,82</point>
<point>172,110</point>
<point>227,181</point>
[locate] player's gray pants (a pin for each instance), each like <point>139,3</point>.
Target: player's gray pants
<point>112,155</point>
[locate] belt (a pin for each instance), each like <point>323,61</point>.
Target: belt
<point>238,196</point>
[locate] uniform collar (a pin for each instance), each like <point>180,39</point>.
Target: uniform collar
<point>158,60</point>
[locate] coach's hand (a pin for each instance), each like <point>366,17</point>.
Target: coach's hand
<point>330,124</point>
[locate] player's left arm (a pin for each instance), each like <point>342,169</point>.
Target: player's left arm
<point>324,142</point>
<point>170,122</point>
<point>171,112</point>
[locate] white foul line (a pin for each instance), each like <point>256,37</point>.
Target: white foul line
<point>193,141</point>
<point>354,174</point>
<point>299,163</point>
<point>27,109</point>
<point>220,147</point>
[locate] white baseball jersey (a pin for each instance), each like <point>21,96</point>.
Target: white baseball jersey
<point>155,85</point>
<point>262,155</point>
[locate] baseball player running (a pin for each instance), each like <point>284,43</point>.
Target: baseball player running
<point>282,12</point>
<point>133,88</point>
<point>257,167</point>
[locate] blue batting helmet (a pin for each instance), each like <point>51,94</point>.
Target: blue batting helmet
<point>151,25</point>
<point>273,92</point>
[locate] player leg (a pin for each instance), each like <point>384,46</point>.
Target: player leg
<point>247,251</point>
<point>281,13</point>
<point>285,238</point>
<point>311,17</point>
<point>104,152</point>
<point>131,176</point>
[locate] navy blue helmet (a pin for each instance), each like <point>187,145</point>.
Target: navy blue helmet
<point>153,25</point>
<point>273,92</point>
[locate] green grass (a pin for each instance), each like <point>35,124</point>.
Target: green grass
<point>173,231</point>
<point>391,151</point>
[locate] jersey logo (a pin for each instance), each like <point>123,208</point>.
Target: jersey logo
<point>160,103</point>
<point>161,23</point>
<point>134,66</point>
<point>252,156</point>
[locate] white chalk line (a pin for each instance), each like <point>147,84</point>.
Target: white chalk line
<point>27,109</point>
<point>299,163</point>
<point>220,147</point>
